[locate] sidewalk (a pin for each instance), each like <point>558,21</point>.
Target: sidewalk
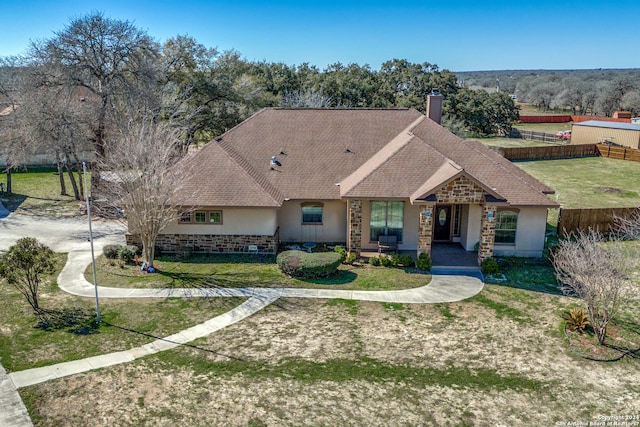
<point>13,413</point>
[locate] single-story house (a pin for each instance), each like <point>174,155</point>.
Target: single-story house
<point>356,176</point>
<point>603,132</point>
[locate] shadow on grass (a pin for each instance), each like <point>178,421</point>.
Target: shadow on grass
<point>623,340</point>
<point>12,201</point>
<point>341,277</point>
<point>195,347</point>
<point>75,320</point>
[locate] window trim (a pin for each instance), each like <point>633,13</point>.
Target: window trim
<point>516,212</point>
<point>189,217</point>
<point>312,205</point>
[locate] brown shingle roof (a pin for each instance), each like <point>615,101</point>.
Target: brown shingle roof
<point>370,153</point>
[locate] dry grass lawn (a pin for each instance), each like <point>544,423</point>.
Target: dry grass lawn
<point>497,359</point>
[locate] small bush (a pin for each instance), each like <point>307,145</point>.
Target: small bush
<point>374,261</point>
<point>128,253</point>
<point>351,258</point>
<point>394,259</point>
<point>577,320</point>
<point>342,251</point>
<point>111,251</point>
<point>308,265</point>
<point>424,262</point>
<point>406,261</point>
<point>385,261</point>
<point>489,266</point>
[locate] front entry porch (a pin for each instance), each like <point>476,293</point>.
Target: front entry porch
<point>453,256</point>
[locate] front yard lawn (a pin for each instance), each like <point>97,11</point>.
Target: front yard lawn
<point>241,271</point>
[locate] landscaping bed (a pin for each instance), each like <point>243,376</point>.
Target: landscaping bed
<point>233,271</point>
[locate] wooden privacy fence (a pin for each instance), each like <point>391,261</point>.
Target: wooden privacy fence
<point>620,153</point>
<point>548,152</point>
<point>533,135</point>
<point>573,220</point>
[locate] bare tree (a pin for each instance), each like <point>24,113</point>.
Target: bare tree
<point>595,272</point>
<point>109,58</point>
<point>628,228</point>
<point>308,99</point>
<point>56,123</point>
<point>13,150</point>
<point>140,175</point>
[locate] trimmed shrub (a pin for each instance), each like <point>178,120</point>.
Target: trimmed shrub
<point>424,262</point>
<point>128,253</point>
<point>111,251</point>
<point>489,266</point>
<point>342,251</point>
<point>406,261</point>
<point>374,261</point>
<point>308,265</point>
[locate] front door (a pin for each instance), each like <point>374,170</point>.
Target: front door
<point>442,224</point>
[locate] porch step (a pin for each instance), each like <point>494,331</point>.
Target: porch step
<point>457,271</point>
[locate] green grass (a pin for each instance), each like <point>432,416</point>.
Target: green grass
<point>25,343</point>
<point>501,309</point>
<point>512,142</point>
<point>590,182</point>
<point>233,271</point>
<point>37,191</point>
<point>346,370</point>
<point>532,274</point>
<point>352,306</point>
<point>544,127</point>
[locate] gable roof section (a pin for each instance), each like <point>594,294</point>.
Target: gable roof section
<point>485,166</point>
<point>448,172</point>
<point>223,178</point>
<point>378,159</point>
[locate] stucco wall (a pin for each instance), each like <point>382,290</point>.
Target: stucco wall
<point>530,234</point>
<point>235,221</point>
<point>470,230</point>
<point>332,229</point>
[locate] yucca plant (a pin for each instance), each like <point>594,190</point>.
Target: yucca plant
<point>577,320</point>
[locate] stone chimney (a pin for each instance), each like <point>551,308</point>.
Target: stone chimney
<point>434,106</point>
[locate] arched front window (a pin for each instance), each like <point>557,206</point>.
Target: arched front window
<point>506,225</point>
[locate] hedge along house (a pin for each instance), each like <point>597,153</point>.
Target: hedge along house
<point>603,132</point>
<point>353,176</point>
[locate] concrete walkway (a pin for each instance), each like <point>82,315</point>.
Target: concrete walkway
<point>71,236</point>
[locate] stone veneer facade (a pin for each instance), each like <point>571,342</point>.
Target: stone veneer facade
<point>354,232</point>
<point>487,232</point>
<point>425,229</point>
<point>459,191</point>
<point>211,243</point>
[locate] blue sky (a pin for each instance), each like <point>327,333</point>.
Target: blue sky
<point>463,35</point>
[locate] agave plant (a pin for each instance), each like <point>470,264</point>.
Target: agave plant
<point>577,320</point>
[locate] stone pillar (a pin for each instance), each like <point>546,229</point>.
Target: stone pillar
<point>354,228</point>
<point>425,229</point>
<point>487,232</point>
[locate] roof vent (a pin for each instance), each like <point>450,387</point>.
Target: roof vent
<point>275,162</point>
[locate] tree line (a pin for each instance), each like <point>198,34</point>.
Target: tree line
<point>75,89</point>
<point>584,92</point>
